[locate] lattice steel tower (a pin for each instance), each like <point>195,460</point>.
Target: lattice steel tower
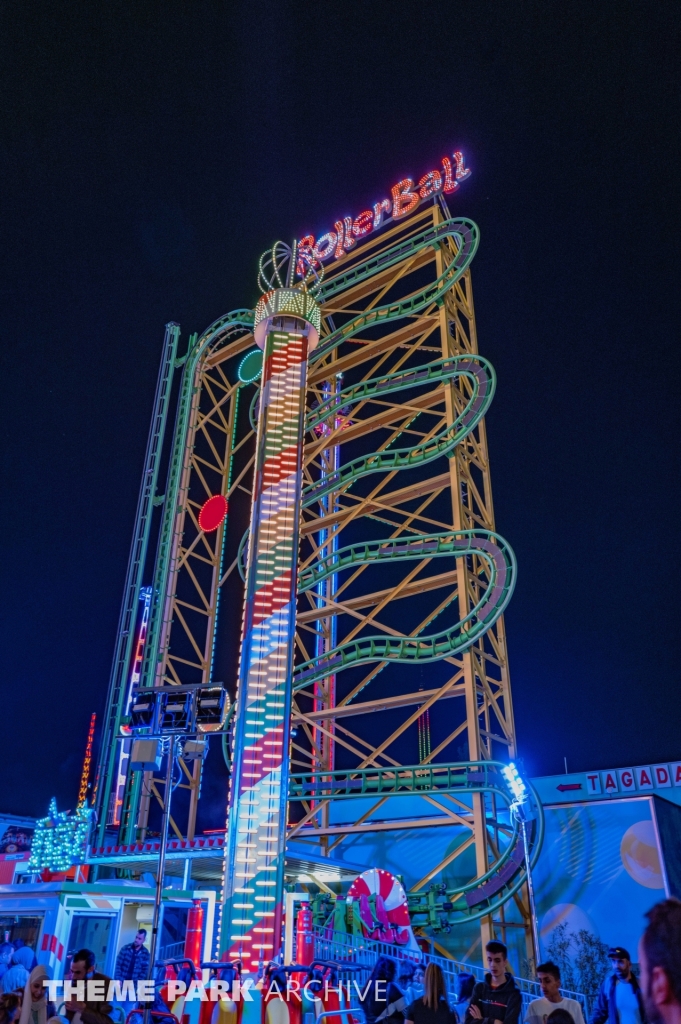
<point>375,580</point>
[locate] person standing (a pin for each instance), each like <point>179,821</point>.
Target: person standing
<point>497,998</point>
<point>14,980</point>
<point>548,976</point>
<point>619,1000</point>
<point>24,957</point>
<point>413,988</point>
<point>432,1007</point>
<point>659,954</point>
<point>132,962</point>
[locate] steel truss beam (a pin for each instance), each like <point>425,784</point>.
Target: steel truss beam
<point>468,691</point>
<point>207,459</point>
<point>472,705</point>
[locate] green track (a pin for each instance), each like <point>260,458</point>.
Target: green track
<point>478,371</point>
<point>491,549</point>
<point>471,900</point>
<point>464,233</point>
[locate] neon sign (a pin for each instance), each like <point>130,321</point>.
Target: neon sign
<point>406,197</point>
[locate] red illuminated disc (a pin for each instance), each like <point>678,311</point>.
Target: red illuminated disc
<point>213,513</point>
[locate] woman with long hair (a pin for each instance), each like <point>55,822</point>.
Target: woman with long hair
<point>432,1007</point>
<point>382,1002</point>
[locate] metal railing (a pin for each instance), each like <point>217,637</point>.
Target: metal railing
<point>339,946</point>
<point>173,951</point>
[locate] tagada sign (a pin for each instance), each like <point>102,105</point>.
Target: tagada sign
<point>644,779</point>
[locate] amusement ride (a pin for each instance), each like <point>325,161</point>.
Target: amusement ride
<point>328,489</point>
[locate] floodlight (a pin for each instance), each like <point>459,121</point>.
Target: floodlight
<point>515,783</point>
<point>194,750</point>
<point>142,709</point>
<point>145,756</point>
<point>210,707</point>
<point>175,711</point>
<point>523,812</point>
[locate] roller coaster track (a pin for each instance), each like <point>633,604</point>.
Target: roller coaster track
<point>484,894</point>
<point>477,898</point>
<point>477,370</point>
<point>492,550</point>
<point>491,553</point>
<point>464,233</point>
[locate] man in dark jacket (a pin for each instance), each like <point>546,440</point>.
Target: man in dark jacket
<point>620,1000</point>
<point>132,962</point>
<point>496,1000</point>
<point>91,1011</point>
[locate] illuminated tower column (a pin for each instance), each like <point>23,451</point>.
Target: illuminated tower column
<point>326,627</point>
<point>286,328</point>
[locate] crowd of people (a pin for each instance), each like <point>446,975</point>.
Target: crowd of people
<point>412,996</point>
<point>24,995</point>
<point>22,998</point>
<point>653,998</point>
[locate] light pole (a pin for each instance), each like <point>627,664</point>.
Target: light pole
<point>161,866</point>
<point>156,715</point>
<point>523,812</point>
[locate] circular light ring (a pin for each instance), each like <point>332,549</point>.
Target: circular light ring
<point>287,302</point>
<point>213,513</point>
<point>250,367</point>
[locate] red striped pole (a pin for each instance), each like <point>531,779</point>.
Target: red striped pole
<point>287,327</point>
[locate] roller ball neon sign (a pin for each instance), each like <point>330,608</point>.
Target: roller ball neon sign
<point>406,197</point>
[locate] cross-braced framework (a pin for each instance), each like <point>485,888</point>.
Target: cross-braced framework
<point>396,568</point>
<point>207,460</point>
<point>368,716</point>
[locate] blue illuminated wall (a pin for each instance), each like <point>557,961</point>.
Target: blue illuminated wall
<point>602,866</point>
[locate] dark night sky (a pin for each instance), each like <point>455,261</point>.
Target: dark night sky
<point>150,152</point>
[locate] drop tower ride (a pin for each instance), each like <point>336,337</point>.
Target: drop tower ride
<point>344,418</point>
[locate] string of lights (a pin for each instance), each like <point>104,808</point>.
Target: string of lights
<point>286,324</point>
<point>60,839</point>
<point>87,761</point>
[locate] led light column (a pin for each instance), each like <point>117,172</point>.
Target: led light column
<point>325,640</point>
<point>287,327</point>
<point>118,790</point>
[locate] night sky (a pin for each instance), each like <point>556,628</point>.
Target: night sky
<point>149,153</point>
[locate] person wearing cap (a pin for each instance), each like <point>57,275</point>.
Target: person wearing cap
<point>620,1000</point>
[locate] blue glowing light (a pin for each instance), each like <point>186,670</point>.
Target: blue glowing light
<point>515,783</point>
<point>250,367</point>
